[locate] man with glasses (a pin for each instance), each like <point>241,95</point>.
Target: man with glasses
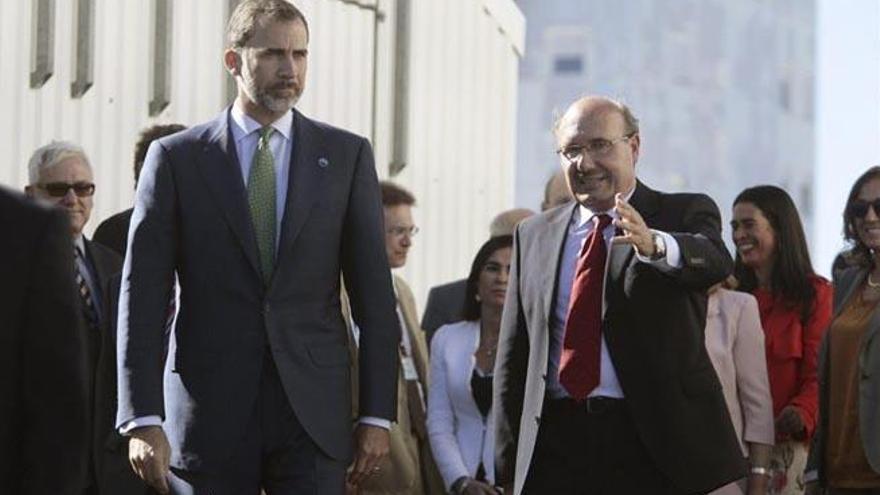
<point>410,467</point>
<point>60,173</point>
<point>602,382</point>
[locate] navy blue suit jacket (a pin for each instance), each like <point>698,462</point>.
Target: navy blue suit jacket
<point>191,216</point>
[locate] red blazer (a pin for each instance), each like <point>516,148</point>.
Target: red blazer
<point>792,350</point>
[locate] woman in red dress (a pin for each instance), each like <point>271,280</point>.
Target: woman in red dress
<point>773,264</point>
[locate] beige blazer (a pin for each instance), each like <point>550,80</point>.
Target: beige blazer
<point>735,342</point>
<point>410,467</point>
<point>846,286</point>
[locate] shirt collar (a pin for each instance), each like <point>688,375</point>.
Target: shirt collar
<point>244,125</point>
<point>80,243</point>
<point>585,214</point>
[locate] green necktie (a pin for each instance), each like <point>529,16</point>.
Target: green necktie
<point>261,200</point>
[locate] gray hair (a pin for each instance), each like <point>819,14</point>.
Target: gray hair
<point>52,154</point>
<point>630,121</point>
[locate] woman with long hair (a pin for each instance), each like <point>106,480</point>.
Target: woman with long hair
<point>845,454</point>
<point>773,264</point>
<point>462,364</point>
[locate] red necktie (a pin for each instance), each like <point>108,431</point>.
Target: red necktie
<point>579,363</point>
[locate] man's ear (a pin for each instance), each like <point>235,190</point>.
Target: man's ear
<point>635,144</point>
<point>232,61</point>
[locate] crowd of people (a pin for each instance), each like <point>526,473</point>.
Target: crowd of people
<point>240,330</point>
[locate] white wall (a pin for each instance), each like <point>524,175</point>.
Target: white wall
<point>848,114</point>
<point>463,53</point>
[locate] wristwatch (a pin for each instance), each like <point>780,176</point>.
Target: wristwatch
<point>659,247</point>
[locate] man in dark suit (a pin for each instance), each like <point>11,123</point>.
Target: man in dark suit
<point>257,212</point>
<point>602,382</point>
<point>60,173</point>
<point>113,231</point>
<point>44,422</point>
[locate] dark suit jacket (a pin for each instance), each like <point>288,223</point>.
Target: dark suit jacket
<point>191,216</point>
<point>105,264</point>
<point>113,232</point>
<point>653,326</point>
<point>43,393</point>
<point>445,305</point>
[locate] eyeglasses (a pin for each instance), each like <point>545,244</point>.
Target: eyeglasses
<point>858,209</point>
<point>59,189</point>
<point>400,231</point>
<point>596,148</point>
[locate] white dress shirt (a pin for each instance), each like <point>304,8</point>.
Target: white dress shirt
<point>579,229</point>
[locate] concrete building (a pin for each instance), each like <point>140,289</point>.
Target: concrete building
<point>725,90</point>
<point>432,83</point>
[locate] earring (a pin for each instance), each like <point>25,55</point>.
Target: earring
<point>477,297</point>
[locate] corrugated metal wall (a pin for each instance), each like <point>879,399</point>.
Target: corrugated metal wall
<point>462,105</point>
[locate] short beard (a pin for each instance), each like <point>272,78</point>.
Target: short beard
<point>263,98</point>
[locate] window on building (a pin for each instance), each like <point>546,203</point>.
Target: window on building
<point>84,48</point>
<point>42,42</point>
<point>568,65</point>
<point>160,84</point>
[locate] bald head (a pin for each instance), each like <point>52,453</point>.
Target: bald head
<point>556,192</point>
<point>598,104</point>
<point>505,222</point>
<point>598,143</point>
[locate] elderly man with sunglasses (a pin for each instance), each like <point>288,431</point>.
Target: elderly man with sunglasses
<point>60,173</point>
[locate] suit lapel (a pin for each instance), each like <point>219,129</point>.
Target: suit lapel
<point>553,243</point>
<point>308,167</point>
<point>219,165</point>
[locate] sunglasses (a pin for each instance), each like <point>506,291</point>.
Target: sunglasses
<point>858,209</point>
<point>59,189</point>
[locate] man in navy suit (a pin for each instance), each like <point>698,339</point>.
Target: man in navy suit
<point>257,213</point>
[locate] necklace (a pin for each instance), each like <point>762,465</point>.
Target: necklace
<point>871,283</point>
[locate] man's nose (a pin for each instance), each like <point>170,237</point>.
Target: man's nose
<point>69,197</point>
<point>871,214</point>
<point>584,163</point>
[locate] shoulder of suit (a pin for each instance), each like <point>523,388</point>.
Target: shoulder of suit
<point>453,330</point>
<point>336,132</point>
<point>402,287</point>
<point>734,298</point>
<point>455,286</point>
<point>103,254</point>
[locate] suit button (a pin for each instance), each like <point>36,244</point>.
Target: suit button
<point>864,376</point>
<point>266,308</point>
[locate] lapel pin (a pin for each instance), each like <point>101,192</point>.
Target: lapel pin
<point>323,162</point>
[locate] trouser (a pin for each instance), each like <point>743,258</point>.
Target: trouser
<point>275,454</point>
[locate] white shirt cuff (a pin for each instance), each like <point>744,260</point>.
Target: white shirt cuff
<point>139,422</point>
<point>381,423</point>
<point>811,475</point>
<point>672,260</point>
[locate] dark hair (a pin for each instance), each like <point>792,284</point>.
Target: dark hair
<point>250,13</point>
<point>394,195</point>
<point>471,305</point>
<point>860,254</point>
<point>792,268</point>
<point>146,137</point>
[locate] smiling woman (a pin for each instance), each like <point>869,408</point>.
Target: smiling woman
<point>845,454</point>
<point>773,264</point>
